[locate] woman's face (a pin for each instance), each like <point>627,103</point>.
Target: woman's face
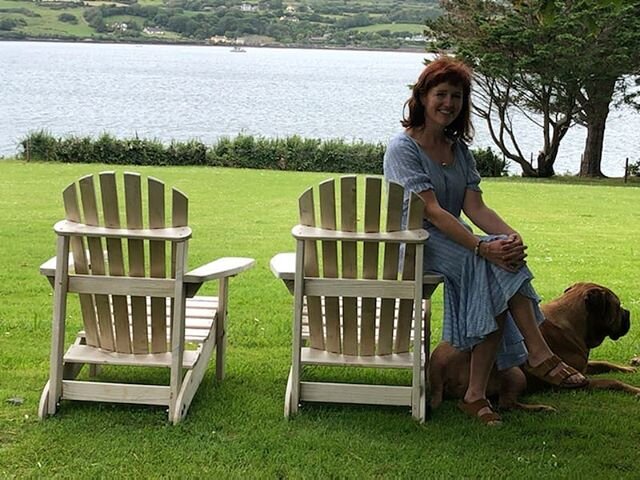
<point>442,104</point>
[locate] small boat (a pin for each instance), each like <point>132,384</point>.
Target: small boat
<point>238,49</point>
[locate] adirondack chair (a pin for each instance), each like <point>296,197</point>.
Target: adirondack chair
<point>377,315</point>
<point>137,301</point>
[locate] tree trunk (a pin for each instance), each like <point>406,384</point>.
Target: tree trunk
<point>596,114</point>
<point>592,157</point>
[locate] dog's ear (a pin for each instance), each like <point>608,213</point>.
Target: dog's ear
<point>597,302</point>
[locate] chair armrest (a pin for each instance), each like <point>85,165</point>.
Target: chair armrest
<point>48,268</point>
<point>220,268</point>
<point>283,265</point>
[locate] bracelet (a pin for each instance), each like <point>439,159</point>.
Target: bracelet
<point>476,249</point>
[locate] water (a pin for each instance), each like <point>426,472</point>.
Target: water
<point>187,92</point>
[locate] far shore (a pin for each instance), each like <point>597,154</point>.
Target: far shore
<point>154,41</point>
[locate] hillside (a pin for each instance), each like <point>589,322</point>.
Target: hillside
<point>325,23</point>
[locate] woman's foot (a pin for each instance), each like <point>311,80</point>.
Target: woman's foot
<point>556,372</point>
<point>481,409</point>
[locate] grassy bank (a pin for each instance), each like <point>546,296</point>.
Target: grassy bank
<point>235,429</point>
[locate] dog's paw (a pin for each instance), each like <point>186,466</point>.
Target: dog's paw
<point>528,407</point>
<point>635,362</point>
<point>629,369</point>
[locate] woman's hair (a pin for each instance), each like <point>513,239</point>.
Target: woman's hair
<point>442,69</point>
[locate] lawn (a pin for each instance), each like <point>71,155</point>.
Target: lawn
<point>392,27</point>
<point>235,429</point>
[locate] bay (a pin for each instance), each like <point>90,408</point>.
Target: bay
<point>174,92</point>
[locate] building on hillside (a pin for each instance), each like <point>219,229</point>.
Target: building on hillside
<point>248,7</point>
<point>153,31</point>
<point>220,40</point>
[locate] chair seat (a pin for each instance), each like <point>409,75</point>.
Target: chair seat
<point>96,356</point>
<point>312,356</point>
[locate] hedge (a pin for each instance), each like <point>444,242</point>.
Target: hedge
<point>244,151</point>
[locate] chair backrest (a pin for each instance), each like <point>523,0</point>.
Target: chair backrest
<point>128,248</point>
<point>351,324</point>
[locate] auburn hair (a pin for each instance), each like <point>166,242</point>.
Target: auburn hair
<point>442,69</point>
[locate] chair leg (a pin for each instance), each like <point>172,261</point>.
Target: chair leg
<point>43,407</point>
<point>221,327</point>
<point>58,325</point>
<point>290,405</point>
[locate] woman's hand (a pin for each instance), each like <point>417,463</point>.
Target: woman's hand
<point>508,253</point>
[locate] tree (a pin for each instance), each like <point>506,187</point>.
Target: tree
<point>556,63</point>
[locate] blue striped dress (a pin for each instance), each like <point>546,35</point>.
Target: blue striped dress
<point>476,291</point>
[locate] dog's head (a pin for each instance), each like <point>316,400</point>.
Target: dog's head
<point>605,315</point>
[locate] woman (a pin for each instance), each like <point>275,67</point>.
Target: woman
<point>490,306</point>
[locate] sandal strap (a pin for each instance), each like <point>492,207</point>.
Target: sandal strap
<point>473,408</point>
<point>543,371</point>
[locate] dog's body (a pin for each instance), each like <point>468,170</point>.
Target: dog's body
<point>575,323</point>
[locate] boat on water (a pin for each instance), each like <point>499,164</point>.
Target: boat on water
<point>238,49</point>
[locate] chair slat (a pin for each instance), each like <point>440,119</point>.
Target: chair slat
<point>133,207</point>
<point>157,265</point>
<point>308,218</point>
<point>179,218</point>
<point>330,265</point>
<point>348,222</point>
<point>115,256</point>
<point>390,269</point>
<point>373,190</point>
<point>72,212</point>
<point>96,255</point>
<point>405,310</point>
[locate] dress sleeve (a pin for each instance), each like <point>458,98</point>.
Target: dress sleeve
<point>473,177</point>
<point>402,165</point>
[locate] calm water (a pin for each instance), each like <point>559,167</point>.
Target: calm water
<point>186,92</point>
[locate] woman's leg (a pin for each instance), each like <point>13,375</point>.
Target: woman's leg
<point>483,357</point>
<point>522,311</point>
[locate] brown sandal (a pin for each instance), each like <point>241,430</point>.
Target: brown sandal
<point>491,418</point>
<point>559,378</point>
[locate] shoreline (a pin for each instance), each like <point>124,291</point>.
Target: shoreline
<point>205,44</point>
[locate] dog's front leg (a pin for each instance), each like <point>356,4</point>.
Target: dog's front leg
<point>610,384</point>
<point>512,384</point>
<point>595,366</point>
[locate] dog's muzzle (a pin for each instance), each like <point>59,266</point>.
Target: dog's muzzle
<point>625,325</point>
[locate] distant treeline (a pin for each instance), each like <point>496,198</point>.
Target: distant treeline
<point>244,151</point>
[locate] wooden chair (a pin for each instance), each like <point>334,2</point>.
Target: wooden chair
<point>136,298</point>
<point>353,305</point>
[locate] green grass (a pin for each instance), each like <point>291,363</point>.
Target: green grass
<point>235,429</point>
<point>392,27</point>
<point>47,24</point>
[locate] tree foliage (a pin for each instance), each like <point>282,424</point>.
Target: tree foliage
<point>554,62</point>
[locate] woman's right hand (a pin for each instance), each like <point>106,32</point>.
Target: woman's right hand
<point>508,253</point>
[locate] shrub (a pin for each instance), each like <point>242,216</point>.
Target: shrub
<point>489,164</point>
<point>244,151</point>
<point>634,168</point>
<point>68,18</point>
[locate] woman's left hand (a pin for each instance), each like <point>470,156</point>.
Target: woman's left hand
<point>514,251</point>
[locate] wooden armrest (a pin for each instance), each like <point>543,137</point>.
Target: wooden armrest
<point>48,268</point>
<point>302,232</point>
<point>283,265</point>
<point>220,268</point>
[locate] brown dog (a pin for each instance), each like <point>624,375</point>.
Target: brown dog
<point>575,323</point>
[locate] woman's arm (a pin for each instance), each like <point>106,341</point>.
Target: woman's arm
<point>510,251</point>
<point>485,218</point>
<point>445,222</point>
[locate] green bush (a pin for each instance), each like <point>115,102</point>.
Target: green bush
<point>634,168</point>
<point>68,18</point>
<point>244,151</point>
<point>489,164</point>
